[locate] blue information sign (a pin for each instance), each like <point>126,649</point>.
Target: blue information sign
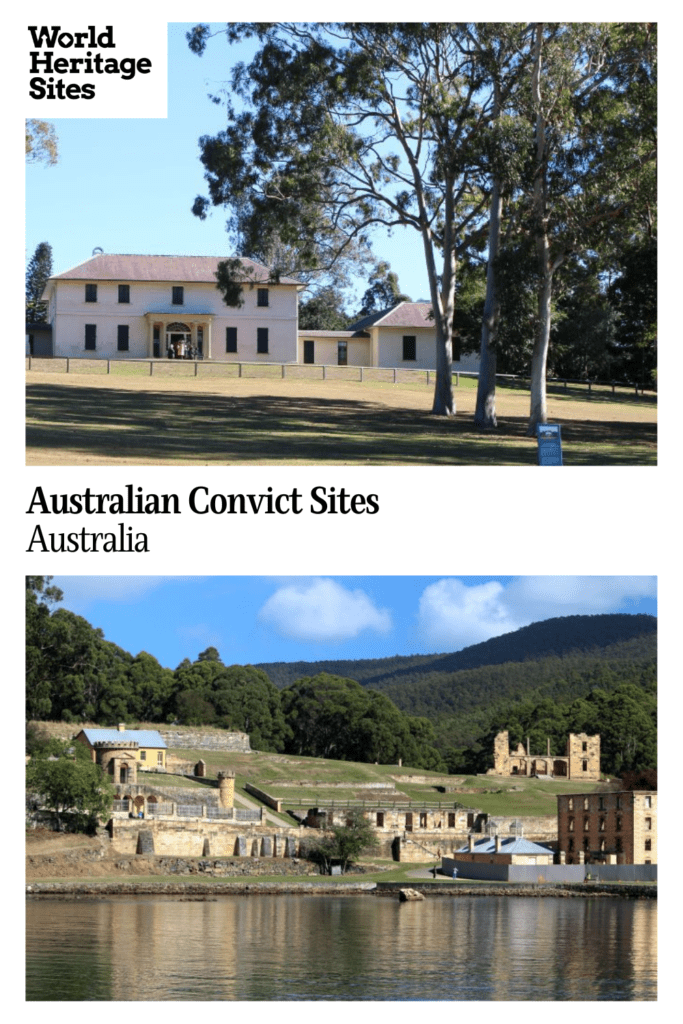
<point>549,444</point>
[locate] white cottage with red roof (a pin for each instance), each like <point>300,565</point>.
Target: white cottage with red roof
<point>403,336</point>
<point>124,306</point>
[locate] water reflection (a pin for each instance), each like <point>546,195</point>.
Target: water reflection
<point>321,947</point>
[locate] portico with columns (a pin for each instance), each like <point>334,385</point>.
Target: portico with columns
<point>167,330</point>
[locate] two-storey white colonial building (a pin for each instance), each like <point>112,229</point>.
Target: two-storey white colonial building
<point>119,306</point>
<point>146,307</point>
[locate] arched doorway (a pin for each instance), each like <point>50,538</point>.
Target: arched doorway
<point>178,339</point>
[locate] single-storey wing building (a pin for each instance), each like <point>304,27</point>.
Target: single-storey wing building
<point>403,336</point>
<point>503,850</point>
<point>126,306</point>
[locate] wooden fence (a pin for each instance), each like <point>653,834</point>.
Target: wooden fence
<point>184,368</point>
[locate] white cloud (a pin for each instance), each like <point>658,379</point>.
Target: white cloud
<point>322,610</point>
<point>452,615</point>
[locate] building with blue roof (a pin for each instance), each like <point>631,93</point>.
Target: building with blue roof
<point>120,752</point>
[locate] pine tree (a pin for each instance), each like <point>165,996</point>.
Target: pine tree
<point>37,273</point>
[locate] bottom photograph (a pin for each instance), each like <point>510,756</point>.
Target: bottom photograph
<point>341,788</point>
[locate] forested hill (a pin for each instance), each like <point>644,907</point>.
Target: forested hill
<point>553,638</point>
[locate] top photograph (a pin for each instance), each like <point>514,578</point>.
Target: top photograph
<point>417,244</point>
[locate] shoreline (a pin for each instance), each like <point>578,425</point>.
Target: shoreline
<point>384,889</point>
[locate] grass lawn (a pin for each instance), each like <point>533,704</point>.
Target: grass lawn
<point>508,797</point>
<point>93,419</point>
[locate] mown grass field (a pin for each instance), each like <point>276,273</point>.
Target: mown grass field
<point>94,419</point>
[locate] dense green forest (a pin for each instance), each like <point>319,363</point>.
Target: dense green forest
<point>552,638</point>
<point>581,673</point>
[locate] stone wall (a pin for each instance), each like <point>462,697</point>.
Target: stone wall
<point>581,760</point>
<point>203,838</point>
<point>219,867</point>
<point>237,742</point>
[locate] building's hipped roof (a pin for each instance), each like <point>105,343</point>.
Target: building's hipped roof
<point>405,314</point>
<point>144,737</point>
<point>510,845</point>
<point>190,269</point>
<point>331,334</point>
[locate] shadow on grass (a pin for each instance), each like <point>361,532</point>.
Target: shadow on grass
<point>161,427</point>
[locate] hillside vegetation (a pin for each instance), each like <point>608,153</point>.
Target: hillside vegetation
<point>303,782</point>
<point>434,712</point>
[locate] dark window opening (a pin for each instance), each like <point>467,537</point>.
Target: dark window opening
<point>262,297</point>
<point>262,340</point>
<point>309,351</point>
<point>178,295</point>
<point>409,347</point>
<point>230,339</point>
<point>124,293</point>
<point>342,353</point>
<point>91,336</point>
<point>122,338</point>
<point>91,293</point>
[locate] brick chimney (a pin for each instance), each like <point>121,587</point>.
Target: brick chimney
<point>470,842</point>
<point>497,842</point>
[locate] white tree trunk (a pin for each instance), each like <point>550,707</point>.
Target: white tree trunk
<point>539,360</point>
<point>485,412</point>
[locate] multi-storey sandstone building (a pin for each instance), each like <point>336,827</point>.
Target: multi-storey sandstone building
<point>617,828</point>
<point>581,761</point>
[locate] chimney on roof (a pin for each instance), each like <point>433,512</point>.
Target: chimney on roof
<point>470,842</point>
<point>121,727</point>
<point>497,842</point>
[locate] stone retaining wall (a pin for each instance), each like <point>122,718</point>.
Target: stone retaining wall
<point>237,742</point>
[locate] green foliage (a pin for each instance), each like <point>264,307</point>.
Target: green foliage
<point>37,273</point>
<point>344,843</point>
<point>634,296</point>
<point>323,311</point>
<point>333,130</point>
<point>383,291</point>
<point>72,784</point>
<point>330,716</point>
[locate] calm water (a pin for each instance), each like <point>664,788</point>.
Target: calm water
<point>351,947</point>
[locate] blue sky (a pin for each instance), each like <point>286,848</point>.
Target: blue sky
<point>127,186</point>
<point>253,619</point>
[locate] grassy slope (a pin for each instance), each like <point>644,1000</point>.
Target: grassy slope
<point>505,797</point>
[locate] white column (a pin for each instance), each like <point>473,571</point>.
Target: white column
<point>150,339</point>
<point>207,340</point>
